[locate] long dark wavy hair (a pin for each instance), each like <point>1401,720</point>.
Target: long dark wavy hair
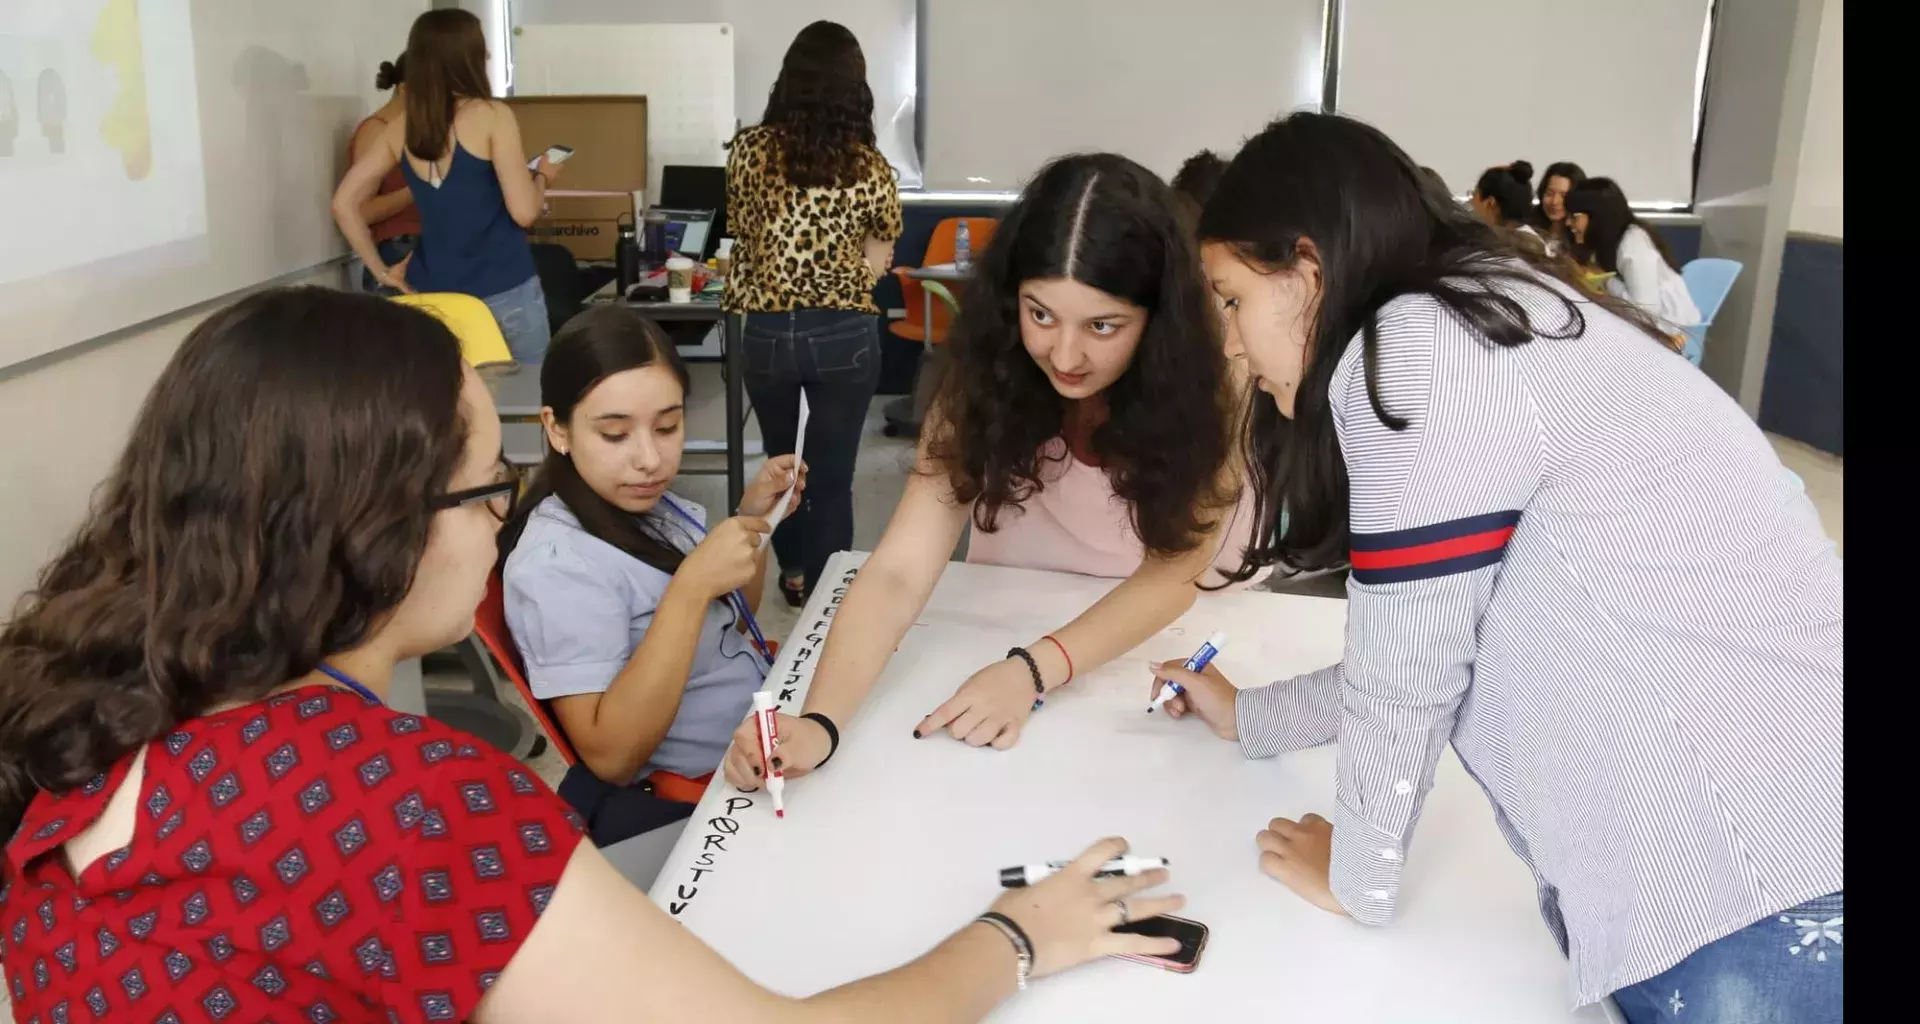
<point>270,509</point>
<point>822,108</point>
<point>1608,218</point>
<point>1558,169</point>
<point>446,62</point>
<point>593,346</point>
<point>1380,233</point>
<point>1110,224</point>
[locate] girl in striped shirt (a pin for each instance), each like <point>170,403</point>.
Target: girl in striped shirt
<point>1634,647</point>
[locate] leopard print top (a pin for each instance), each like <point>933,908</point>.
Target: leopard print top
<point>802,248</point>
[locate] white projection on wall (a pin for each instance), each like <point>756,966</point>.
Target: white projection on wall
<point>100,157</point>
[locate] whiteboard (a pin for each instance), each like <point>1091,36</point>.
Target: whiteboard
<point>684,71</point>
<point>762,31</point>
<point>899,840</point>
<point>200,143</point>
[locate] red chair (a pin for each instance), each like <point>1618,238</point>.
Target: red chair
<point>490,636</point>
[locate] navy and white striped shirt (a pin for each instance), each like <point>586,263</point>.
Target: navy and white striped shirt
<point>1583,564</point>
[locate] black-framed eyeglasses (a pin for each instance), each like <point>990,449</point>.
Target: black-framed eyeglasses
<point>499,496</point>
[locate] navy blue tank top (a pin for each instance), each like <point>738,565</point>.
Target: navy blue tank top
<point>469,243</point>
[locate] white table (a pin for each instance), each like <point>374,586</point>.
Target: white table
<point>898,841</point>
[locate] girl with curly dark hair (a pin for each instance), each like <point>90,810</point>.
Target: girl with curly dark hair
<point>1082,426</point>
<point>814,211</point>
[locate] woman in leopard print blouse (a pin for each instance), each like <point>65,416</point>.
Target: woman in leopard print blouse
<point>815,212</point>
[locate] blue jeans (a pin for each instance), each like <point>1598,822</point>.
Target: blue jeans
<point>1785,969</point>
<point>833,355</point>
<point>522,313</point>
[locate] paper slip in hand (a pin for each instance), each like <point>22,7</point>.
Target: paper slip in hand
<point>799,445</point>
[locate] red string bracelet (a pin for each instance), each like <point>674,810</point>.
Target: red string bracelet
<point>1063,653</point>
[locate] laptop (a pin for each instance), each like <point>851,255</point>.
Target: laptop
<point>696,187</point>
<point>689,232</point>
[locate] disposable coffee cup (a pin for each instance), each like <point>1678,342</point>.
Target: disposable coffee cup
<point>679,279</point>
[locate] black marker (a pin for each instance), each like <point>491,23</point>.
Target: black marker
<point>1032,874</point>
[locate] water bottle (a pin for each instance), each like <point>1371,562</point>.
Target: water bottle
<point>626,256</point>
<point>962,246</point>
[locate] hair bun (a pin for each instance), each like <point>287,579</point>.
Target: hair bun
<point>387,77</point>
<point>1521,169</point>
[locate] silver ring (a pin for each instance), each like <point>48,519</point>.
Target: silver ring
<point>1126,916</point>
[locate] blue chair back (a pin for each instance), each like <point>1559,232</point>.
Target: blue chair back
<point>1709,280</point>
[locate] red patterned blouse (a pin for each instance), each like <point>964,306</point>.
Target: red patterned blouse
<point>312,857</point>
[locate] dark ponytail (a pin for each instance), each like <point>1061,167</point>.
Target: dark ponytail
<point>593,346</point>
<point>269,511</point>
<point>1510,188</point>
<point>392,73</point>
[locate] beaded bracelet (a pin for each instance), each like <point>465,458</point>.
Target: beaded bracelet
<point>1039,687</point>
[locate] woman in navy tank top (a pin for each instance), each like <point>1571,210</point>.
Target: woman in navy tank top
<point>461,155</point>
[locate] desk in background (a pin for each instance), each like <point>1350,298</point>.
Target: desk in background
<point>898,841</point>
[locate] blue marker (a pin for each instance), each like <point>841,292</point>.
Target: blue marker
<point>1197,663</point>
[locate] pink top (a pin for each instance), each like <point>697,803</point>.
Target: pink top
<point>1077,524</point>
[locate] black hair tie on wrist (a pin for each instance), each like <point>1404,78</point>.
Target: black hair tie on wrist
<point>1033,667</point>
<point>833,735</point>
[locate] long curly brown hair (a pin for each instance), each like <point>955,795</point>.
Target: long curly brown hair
<point>270,508</point>
<point>1111,224</point>
<point>822,108</point>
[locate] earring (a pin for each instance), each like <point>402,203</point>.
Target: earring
<point>562,451</point>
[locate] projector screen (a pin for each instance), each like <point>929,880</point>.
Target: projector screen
<point>100,135</point>
<point>1465,86</point>
<point>155,154</point>
<point>1011,84</point>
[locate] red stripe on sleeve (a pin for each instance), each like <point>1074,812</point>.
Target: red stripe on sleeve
<point>1438,551</point>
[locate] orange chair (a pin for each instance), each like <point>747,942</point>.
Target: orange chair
<point>939,250</point>
<point>490,632</point>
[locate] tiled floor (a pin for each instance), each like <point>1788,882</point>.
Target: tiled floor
<point>881,475</point>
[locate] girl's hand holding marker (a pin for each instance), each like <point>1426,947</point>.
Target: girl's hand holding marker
<point>1195,687</point>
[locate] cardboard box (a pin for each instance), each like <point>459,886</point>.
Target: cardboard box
<point>609,139</point>
<point>589,226</point>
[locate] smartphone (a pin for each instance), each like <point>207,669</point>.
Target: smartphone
<point>554,155</point>
<point>1192,936</point>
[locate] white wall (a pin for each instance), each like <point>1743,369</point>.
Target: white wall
<point>1817,197</point>
<point>62,425</point>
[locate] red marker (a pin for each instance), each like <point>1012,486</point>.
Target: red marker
<point>764,716</point>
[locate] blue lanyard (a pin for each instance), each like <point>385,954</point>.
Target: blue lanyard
<point>350,683</point>
<point>736,598</point>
